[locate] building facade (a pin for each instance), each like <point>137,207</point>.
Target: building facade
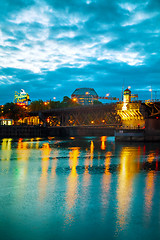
<point>84,96</point>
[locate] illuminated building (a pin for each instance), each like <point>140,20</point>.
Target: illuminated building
<point>6,122</point>
<point>84,96</point>
<point>132,113</point>
<point>127,96</point>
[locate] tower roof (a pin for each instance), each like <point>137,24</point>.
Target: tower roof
<point>85,91</point>
<point>127,90</point>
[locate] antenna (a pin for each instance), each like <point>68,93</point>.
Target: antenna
<point>122,90</point>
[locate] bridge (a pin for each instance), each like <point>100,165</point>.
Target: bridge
<point>100,115</point>
<point>130,115</point>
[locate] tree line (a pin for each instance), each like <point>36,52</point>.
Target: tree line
<point>16,112</point>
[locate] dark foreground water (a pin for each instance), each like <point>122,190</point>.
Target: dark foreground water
<point>90,188</point>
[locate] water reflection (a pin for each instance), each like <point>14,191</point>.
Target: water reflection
<point>6,149</point>
<point>103,142</point>
<point>92,184</point>
<point>54,163</point>
<point>22,150</point>
<point>92,152</point>
<point>128,168</point>
<point>45,164</point>
<point>6,152</point>
<point>71,194</point>
<point>149,189</point>
<point>106,181</point>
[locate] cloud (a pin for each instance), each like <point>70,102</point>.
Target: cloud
<point>139,17</point>
<point>51,47</point>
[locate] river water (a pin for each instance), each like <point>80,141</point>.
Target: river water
<point>87,188</point>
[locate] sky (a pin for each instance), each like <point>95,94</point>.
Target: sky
<point>51,47</point>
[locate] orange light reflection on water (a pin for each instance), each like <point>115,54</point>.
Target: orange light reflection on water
<point>6,149</point>
<point>71,194</point>
<point>92,152</point>
<point>45,164</point>
<point>6,153</point>
<point>103,142</point>
<point>149,189</point>
<point>106,183</point>
<point>128,168</point>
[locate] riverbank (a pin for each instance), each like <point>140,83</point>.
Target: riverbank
<point>60,131</point>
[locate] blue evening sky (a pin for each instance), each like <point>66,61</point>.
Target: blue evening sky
<point>51,47</point>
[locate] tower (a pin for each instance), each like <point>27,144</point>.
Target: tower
<point>127,96</point>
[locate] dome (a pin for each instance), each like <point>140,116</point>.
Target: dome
<point>85,91</point>
<point>84,96</point>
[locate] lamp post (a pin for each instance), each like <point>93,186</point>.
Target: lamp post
<point>151,93</point>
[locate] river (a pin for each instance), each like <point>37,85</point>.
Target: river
<point>79,188</point>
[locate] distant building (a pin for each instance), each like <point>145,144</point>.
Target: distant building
<point>84,96</point>
<point>6,122</point>
<point>127,96</point>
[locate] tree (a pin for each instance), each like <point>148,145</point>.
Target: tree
<point>13,111</point>
<point>54,104</point>
<point>37,105</point>
<point>96,102</point>
<point>67,102</point>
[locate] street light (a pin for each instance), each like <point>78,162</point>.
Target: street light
<point>74,99</point>
<point>151,93</point>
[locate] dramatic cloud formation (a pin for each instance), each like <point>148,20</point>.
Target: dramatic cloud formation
<point>51,47</point>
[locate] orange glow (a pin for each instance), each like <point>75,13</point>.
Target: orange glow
<point>107,162</point>
<point>74,99</point>
<point>45,164</point>
<point>6,150</point>
<point>149,190</point>
<point>128,168</point>
<point>103,142</point>
<point>72,179</point>
<point>54,163</point>
<point>151,157</point>
<point>71,194</point>
<point>92,152</point>
<point>92,122</point>
<point>21,104</point>
<point>46,103</point>
<point>106,183</point>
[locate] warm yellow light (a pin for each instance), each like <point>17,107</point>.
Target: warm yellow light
<point>75,99</point>
<point>92,121</point>
<point>150,89</point>
<point>103,140</point>
<point>87,93</point>
<point>107,94</point>
<point>103,121</point>
<point>124,106</point>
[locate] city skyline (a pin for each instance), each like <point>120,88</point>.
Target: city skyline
<point>50,48</point>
